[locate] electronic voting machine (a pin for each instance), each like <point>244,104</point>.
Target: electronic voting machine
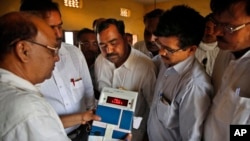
<point>116,108</point>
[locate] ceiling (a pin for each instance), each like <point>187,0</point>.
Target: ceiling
<point>150,1</point>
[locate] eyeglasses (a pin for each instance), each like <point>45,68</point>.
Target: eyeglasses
<point>229,28</point>
<point>167,49</point>
<point>53,50</point>
<point>88,44</point>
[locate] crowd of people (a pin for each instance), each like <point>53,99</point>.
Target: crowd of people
<point>191,73</point>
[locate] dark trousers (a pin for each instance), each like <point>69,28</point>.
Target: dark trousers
<point>80,134</point>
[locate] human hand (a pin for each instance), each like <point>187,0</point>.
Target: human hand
<point>88,116</point>
<point>128,137</point>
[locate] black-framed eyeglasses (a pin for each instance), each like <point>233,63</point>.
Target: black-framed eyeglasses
<point>53,50</point>
<point>167,49</point>
<point>227,27</point>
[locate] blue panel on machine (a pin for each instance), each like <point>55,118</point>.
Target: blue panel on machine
<point>119,135</point>
<point>108,114</point>
<point>126,120</point>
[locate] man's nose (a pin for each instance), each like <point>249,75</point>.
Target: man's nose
<point>58,32</point>
<point>109,49</point>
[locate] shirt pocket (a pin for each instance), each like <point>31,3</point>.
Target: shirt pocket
<point>224,109</point>
<point>242,111</point>
<point>166,114</point>
<point>233,109</point>
<point>77,90</point>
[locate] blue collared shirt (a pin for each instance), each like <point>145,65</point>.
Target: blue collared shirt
<point>187,88</point>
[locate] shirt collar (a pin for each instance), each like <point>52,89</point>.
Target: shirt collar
<point>62,49</point>
<point>207,46</point>
<point>181,66</point>
<point>130,60</point>
<point>12,79</point>
<point>246,55</point>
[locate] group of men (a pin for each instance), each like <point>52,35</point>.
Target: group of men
<point>41,77</point>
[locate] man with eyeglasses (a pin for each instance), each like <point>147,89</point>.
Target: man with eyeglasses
<point>25,42</point>
<point>88,44</point>
<point>183,89</point>
<point>231,102</point>
<point>70,90</point>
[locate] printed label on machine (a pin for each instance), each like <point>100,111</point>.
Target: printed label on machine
<point>116,108</point>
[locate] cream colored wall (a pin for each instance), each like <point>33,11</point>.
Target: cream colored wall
<point>75,19</point>
<point>8,5</point>
<point>200,5</point>
<point>93,9</point>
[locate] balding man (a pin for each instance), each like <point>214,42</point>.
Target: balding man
<point>70,89</point>
<point>28,52</point>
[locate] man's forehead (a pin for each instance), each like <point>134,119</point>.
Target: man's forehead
<point>233,12</point>
<point>53,17</point>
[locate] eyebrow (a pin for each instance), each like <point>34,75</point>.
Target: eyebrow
<point>158,42</point>
<point>169,48</point>
<point>112,40</point>
<point>109,41</point>
<point>60,24</point>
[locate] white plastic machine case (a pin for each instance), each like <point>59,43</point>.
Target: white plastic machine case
<point>116,108</point>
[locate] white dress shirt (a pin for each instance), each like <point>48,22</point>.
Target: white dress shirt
<point>25,114</point>
<point>137,73</point>
<point>231,104</point>
<point>181,102</point>
<point>206,54</point>
<point>70,89</point>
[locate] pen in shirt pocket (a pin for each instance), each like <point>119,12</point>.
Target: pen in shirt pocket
<point>73,81</point>
<point>164,99</point>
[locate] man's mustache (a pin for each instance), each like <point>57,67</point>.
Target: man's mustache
<point>165,57</point>
<point>111,55</point>
<point>59,39</point>
<point>208,36</point>
<point>90,52</point>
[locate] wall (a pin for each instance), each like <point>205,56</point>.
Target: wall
<point>93,9</point>
<point>200,5</point>
<point>75,19</point>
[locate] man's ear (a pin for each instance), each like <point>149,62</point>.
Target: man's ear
<point>124,38</point>
<point>192,49</point>
<point>22,51</point>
